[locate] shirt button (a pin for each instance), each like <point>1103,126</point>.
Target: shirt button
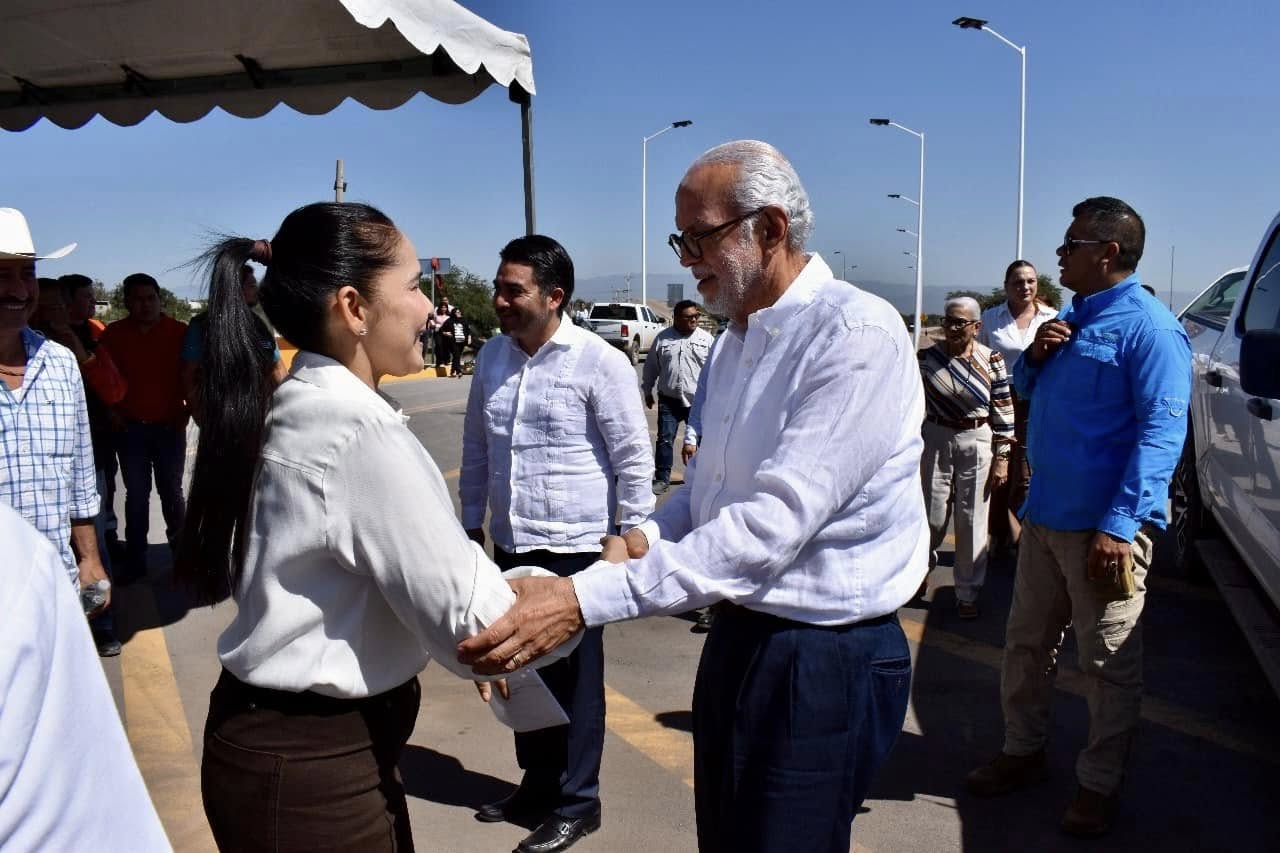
<point>719,477</point>
<point>725,419</point>
<point>750,362</point>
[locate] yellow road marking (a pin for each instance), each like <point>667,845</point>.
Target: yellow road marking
<point>161,740</point>
<point>670,749</point>
<point>1154,710</point>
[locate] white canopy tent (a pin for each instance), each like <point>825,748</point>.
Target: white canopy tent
<point>70,60</point>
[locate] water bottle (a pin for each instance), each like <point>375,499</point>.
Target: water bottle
<point>94,595</point>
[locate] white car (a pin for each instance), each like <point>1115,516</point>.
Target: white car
<point>1229,476</point>
<point>629,326</point>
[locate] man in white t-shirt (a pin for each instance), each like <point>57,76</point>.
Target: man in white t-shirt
<point>68,780</point>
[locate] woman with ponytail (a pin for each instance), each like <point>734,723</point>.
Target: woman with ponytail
<point>306,507</point>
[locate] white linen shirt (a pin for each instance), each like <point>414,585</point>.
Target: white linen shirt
<point>68,780</point>
<point>545,437</point>
<point>356,571</point>
<point>675,362</point>
<point>805,499</point>
<point>1000,331</point>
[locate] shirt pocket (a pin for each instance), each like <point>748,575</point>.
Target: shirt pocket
<point>51,423</point>
<point>1099,363</point>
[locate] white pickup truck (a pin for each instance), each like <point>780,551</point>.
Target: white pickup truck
<point>1229,476</point>
<point>629,326</point>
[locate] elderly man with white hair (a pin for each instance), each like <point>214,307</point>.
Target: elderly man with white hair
<point>968,421</point>
<point>803,516</point>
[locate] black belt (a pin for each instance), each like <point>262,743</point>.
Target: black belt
<point>962,424</point>
<point>737,611</point>
<point>305,702</point>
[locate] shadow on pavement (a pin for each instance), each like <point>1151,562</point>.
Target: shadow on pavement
<point>681,720</point>
<point>440,778</point>
<point>154,601</point>
<point>1181,792</point>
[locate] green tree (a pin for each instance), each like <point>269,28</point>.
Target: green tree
<point>471,293</point>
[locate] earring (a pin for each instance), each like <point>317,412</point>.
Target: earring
<point>363,332</point>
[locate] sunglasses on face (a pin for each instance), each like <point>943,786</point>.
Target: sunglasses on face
<point>1069,243</point>
<point>687,244</point>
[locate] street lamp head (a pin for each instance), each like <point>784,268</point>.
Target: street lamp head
<point>895,195</point>
<point>903,230</point>
<point>880,122</point>
<point>684,123</point>
<point>969,23</point>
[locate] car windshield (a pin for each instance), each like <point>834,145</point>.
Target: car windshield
<point>1215,304</point>
<point>613,312</point>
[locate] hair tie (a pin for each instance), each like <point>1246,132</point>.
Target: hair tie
<point>261,252</point>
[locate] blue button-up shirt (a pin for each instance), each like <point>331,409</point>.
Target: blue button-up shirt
<point>1108,414</point>
<point>46,453</point>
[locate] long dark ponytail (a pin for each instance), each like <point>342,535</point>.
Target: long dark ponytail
<point>318,249</point>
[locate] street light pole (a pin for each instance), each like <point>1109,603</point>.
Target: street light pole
<point>919,203</point>
<point>644,207</point>
<point>979,24</point>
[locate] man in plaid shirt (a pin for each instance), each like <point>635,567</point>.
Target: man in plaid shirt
<point>46,452</point>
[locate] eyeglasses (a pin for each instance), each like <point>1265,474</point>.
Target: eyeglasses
<point>685,243</point>
<point>1069,243</point>
<point>692,318</point>
<point>957,322</point>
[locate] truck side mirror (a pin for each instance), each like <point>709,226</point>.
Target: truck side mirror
<point>1260,363</point>
<point>662,321</point>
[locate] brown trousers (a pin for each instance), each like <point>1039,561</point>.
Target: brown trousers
<point>305,772</point>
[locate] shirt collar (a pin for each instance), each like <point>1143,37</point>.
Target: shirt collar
<point>324,372</point>
<point>31,341</point>
<point>563,337</point>
<point>1086,306</point>
<point>797,295</point>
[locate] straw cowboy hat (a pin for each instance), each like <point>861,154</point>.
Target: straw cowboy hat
<point>15,239</point>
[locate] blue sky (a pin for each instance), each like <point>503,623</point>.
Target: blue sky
<point>1167,105</point>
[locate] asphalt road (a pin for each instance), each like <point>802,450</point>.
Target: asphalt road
<point>1202,778</point>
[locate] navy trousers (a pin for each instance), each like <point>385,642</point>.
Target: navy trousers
<point>562,765</point>
<point>790,724</point>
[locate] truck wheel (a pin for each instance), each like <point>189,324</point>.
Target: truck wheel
<point>1189,518</point>
<point>633,351</point>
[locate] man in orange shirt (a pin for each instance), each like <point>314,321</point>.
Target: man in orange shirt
<point>146,346</point>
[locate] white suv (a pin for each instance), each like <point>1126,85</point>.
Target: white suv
<point>1230,470</point>
<point>627,325</point>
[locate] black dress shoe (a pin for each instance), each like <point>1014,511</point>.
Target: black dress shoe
<point>514,807</point>
<point>558,833</point>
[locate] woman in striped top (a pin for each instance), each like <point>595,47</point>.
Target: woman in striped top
<point>968,421</point>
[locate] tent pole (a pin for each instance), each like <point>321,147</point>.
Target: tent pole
<point>526,133</point>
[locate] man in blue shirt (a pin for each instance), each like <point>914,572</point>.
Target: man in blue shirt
<point>1109,382</point>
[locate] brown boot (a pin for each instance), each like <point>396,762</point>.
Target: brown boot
<point>1089,814</point>
<point>1007,773</point>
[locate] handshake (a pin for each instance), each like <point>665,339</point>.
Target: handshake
<point>630,545</point>
<point>545,614</point>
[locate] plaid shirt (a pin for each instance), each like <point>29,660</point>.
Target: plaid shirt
<point>46,453</point>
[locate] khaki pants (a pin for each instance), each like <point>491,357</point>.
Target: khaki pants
<point>954,471</point>
<point>1052,590</point>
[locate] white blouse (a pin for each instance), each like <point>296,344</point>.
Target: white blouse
<point>1000,331</point>
<point>357,571</point>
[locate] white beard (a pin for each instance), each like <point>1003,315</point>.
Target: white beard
<point>742,273</point>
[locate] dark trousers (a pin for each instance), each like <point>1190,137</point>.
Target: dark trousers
<point>790,724</point>
<point>299,771</point>
<point>146,448</point>
<point>562,765</point>
<point>444,350</point>
<point>456,365</point>
<point>671,413</point>
<point>104,624</point>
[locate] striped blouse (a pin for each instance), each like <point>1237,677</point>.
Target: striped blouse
<point>963,388</point>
